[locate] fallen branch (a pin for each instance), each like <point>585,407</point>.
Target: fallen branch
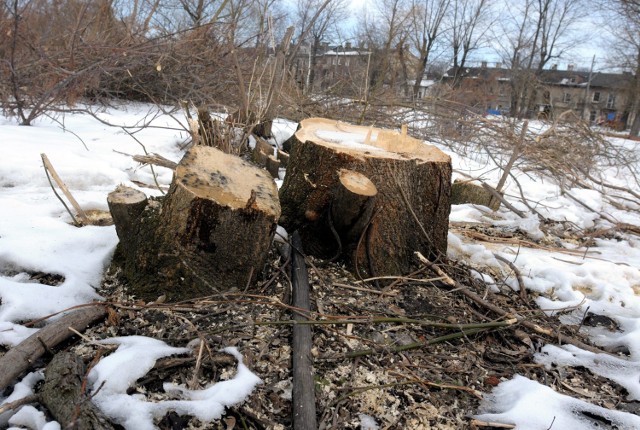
<point>469,390</point>
<point>18,403</point>
<point>523,290</point>
<point>414,345</point>
<point>64,394</point>
<point>156,160</point>
<point>50,170</point>
<point>545,331</point>
<point>477,423</point>
<point>383,320</point>
<point>22,356</point>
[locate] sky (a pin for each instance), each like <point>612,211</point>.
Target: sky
<point>582,55</point>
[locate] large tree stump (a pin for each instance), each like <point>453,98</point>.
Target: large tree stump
<point>210,233</point>
<point>369,196</point>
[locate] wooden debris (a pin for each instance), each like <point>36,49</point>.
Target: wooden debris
<point>49,167</point>
<point>65,395</point>
<point>545,331</point>
<point>283,157</point>
<point>22,356</point>
<point>156,160</point>
<point>468,192</point>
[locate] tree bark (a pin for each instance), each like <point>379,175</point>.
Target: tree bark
<point>126,206</point>
<point>64,396</point>
<point>210,233</point>
<point>408,211</point>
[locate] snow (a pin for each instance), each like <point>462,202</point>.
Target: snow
<point>367,422</point>
<point>36,235</point>
<point>22,389</point>
<point>349,139</point>
<point>532,406</point>
<point>135,356</point>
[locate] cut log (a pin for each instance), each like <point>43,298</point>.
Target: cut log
<point>283,157</point>
<point>352,205</point>
<point>374,196</point>
<point>468,192</point>
<point>210,233</point>
<point>63,395</point>
<point>24,355</point>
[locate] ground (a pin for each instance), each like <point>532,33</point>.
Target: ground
<point>360,367</point>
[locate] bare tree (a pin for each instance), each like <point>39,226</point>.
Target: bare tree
<point>426,27</point>
<point>384,28</point>
<point>533,33</point>
<point>470,22</point>
<point>51,55</point>
<point>312,32</point>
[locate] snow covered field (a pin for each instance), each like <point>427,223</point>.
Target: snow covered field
<point>36,236</point>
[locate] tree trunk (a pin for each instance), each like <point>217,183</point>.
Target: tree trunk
<point>368,196</point>
<point>211,232</point>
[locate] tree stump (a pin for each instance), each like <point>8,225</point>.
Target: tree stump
<point>368,196</point>
<point>210,233</point>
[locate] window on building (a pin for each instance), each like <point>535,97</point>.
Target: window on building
<point>334,61</point>
<point>593,115</point>
<point>566,98</point>
<point>346,62</point>
<point>596,96</point>
<point>611,101</point>
<point>339,61</point>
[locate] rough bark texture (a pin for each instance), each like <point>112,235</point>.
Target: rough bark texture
<point>411,209</point>
<point>352,205</point>
<point>24,355</point>
<point>63,395</point>
<point>126,206</point>
<point>210,233</point>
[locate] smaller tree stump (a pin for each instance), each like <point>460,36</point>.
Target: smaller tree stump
<point>352,204</point>
<point>210,233</point>
<point>126,206</point>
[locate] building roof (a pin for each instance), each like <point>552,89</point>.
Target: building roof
<point>574,78</point>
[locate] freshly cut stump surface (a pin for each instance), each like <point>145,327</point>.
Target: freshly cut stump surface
<point>368,196</point>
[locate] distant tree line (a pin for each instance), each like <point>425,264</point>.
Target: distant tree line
<point>223,53</point>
